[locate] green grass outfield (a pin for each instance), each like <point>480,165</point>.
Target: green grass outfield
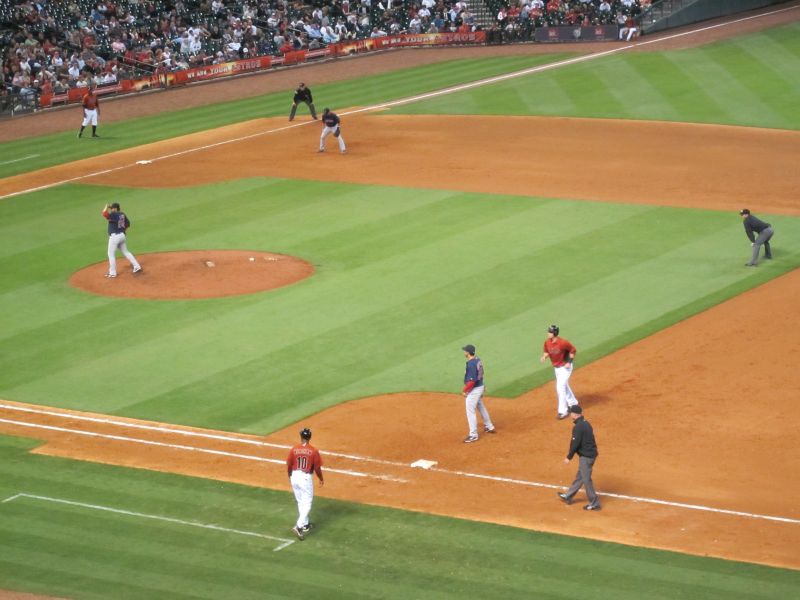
<point>405,277</point>
<point>752,80</point>
<point>357,552</point>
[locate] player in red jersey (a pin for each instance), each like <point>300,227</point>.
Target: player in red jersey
<point>302,462</point>
<point>561,354</point>
<point>91,111</point>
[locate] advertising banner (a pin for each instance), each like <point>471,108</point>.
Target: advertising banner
<point>596,33</point>
<point>406,39</point>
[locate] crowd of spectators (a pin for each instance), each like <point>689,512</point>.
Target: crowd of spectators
<point>517,19</point>
<point>50,46</point>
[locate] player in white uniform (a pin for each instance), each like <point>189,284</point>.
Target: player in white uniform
<point>302,462</point>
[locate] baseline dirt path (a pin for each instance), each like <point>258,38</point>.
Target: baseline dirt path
<point>675,164</point>
<point>683,426</point>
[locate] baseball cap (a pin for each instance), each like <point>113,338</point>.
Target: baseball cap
<point>114,205</point>
<point>576,409</point>
<point>469,348</point>
<point>744,211</point>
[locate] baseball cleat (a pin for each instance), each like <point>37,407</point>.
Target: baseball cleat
<point>137,270</point>
<point>344,151</point>
<point>298,533</point>
<point>95,135</point>
<point>307,528</point>
<point>321,150</point>
<point>490,430</point>
<point>592,507</point>
<point>470,438</point>
<point>564,498</point>
<point>559,416</point>
<point>111,275</point>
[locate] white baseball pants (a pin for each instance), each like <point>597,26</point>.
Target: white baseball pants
<point>474,400</point>
<point>303,488</point>
<point>117,240</point>
<point>565,396</point>
<point>89,116</point>
<point>326,131</point>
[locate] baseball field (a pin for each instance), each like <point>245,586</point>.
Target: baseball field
<point>144,421</point>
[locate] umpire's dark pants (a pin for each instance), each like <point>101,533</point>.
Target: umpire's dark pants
<point>584,478</point>
<point>310,107</point>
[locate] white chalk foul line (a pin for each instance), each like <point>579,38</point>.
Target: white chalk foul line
<point>723,511</point>
<point>122,438</point>
<point>8,162</point>
<point>284,542</point>
<point>385,105</point>
<point>366,459</point>
<point>184,432</point>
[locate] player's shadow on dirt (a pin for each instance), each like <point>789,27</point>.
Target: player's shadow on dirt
<point>589,400</point>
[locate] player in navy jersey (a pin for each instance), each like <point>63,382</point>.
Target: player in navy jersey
<point>331,125</point>
<point>473,393</point>
<point>118,224</point>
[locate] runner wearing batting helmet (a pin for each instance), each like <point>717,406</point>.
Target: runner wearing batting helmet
<point>561,353</point>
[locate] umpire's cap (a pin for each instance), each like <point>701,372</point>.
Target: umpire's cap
<point>469,348</point>
<point>744,211</point>
<point>305,433</point>
<point>553,329</point>
<point>576,409</point>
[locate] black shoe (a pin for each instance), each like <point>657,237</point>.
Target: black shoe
<point>560,416</point>
<point>470,439</point>
<point>95,135</point>
<point>299,533</point>
<point>564,498</point>
<point>492,430</point>
<point>592,507</point>
<point>768,257</point>
<point>750,264</point>
<point>307,528</point>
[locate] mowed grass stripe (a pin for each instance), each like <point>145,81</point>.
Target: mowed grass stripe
<point>672,86</point>
<point>753,70</point>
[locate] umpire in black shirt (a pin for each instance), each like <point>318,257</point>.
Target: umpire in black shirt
<point>753,225</point>
<point>585,447</point>
<point>303,94</point>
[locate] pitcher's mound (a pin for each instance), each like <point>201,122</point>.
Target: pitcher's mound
<point>194,274</point>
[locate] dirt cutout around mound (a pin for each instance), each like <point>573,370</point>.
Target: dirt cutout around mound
<point>694,449</point>
<point>194,274</point>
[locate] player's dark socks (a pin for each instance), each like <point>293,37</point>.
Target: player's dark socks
<point>80,133</point>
